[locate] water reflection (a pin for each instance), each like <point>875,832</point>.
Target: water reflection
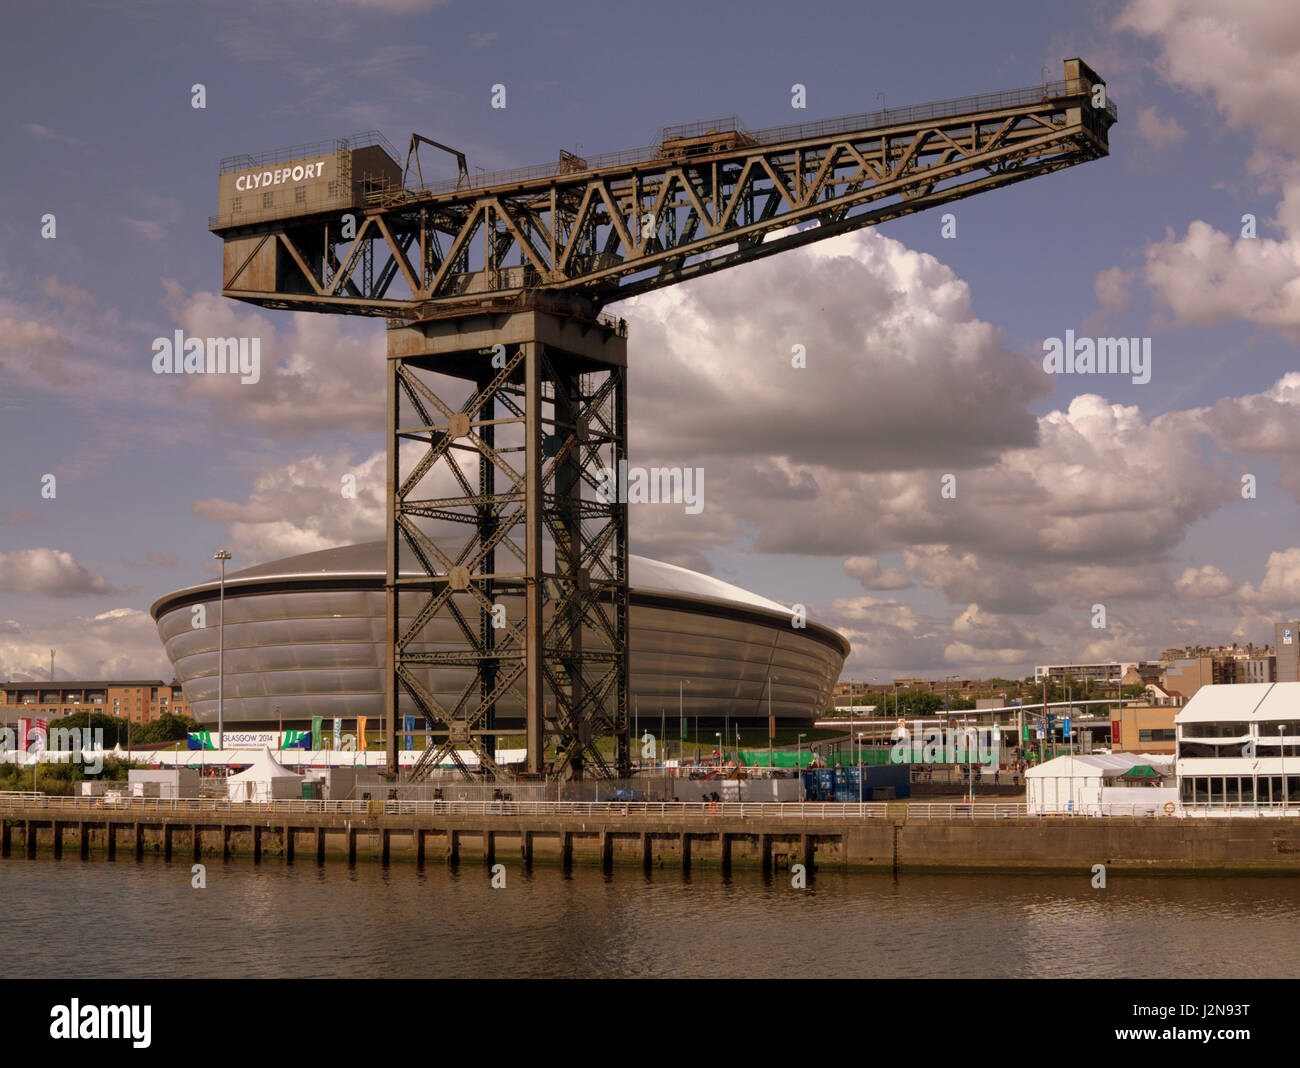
<point>74,918</point>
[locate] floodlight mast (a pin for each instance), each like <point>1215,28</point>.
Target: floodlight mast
<point>545,372</point>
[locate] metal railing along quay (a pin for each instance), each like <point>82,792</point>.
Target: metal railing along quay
<point>703,809</point>
<point>786,810</point>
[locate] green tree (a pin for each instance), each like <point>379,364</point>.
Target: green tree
<point>114,729</point>
<point>163,729</point>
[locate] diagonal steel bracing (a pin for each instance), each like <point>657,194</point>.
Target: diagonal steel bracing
<point>509,611</point>
<point>614,226</point>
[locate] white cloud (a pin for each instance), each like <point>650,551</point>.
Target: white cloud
<point>1156,130</point>
<point>299,507</point>
<point>120,643</point>
<point>1244,58</point>
<point>317,375</point>
<point>867,570</point>
<point>50,573</point>
<point>887,333</point>
<point>1280,587</point>
<point>1243,55</point>
<point>1205,581</point>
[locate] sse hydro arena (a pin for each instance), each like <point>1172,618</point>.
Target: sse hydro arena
<point>304,637</point>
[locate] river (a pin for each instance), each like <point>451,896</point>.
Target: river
<point>71,918</point>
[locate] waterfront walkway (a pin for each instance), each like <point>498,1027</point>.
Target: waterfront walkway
<point>874,835</point>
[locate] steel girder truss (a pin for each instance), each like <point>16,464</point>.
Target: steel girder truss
<point>704,198</point>
<point>535,583</point>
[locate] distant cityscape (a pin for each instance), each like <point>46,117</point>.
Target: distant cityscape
<point>1154,689</point>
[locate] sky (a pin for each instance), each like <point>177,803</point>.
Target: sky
<point>823,484</point>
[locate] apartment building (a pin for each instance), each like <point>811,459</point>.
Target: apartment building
<point>137,700</point>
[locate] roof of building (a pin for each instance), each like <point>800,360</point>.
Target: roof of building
<point>367,558</point>
<point>1242,701</point>
<point>62,684</point>
<point>650,581</point>
<point>1092,765</point>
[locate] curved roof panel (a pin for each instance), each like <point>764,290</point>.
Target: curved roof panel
<point>367,558</point>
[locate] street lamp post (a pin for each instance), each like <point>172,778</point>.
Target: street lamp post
<point>681,714</point>
<point>223,556</point>
<point>771,724</point>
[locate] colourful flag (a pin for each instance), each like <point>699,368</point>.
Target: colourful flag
<point>361,732</point>
<point>317,722</point>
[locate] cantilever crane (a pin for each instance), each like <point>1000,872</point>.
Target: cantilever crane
<point>496,281</point>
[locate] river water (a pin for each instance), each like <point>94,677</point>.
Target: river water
<point>71,918</point>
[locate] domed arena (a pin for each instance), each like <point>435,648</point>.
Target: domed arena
<point>305,636</point>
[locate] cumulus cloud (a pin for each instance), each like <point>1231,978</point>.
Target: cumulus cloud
<point>300,507</point>
<point>1265,425</point>
<point>65,294</point>
<point>1205,581</point>
<point>1280,587</point>
<point>120,643</point>
<point>32,353</point>
<point>318,374</point>
<point>1243,57</point>
<point>1207,276</point>
<point>1114,289</point>
<point>884,330</point>
<point>1083,493</point>
<point>1156,130</point>
<point>50,573</point>
<point>867,570</point>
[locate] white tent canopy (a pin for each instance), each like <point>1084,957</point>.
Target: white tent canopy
<point>266,779</point>
<point>1093,783</point>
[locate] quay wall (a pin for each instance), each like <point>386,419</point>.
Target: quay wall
<point>892,843</point>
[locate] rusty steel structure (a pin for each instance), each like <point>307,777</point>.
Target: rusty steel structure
<point>494,284</point>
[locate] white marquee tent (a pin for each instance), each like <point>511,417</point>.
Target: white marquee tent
<point>1093,784</point>
<point>266,779</point>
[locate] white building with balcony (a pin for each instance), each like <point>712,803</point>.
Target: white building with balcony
<point>1239,750</point>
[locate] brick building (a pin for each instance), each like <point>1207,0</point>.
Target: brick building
<point>140,701</point>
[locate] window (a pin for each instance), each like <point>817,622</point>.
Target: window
<point>1215,730</point>
<point>268,199</point>
<point>237,205</point>
<point>1156,736</point>
<point>300,195</point>
<point>333,189</point>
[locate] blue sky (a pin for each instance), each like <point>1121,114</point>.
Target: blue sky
<point>1096,490</point>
